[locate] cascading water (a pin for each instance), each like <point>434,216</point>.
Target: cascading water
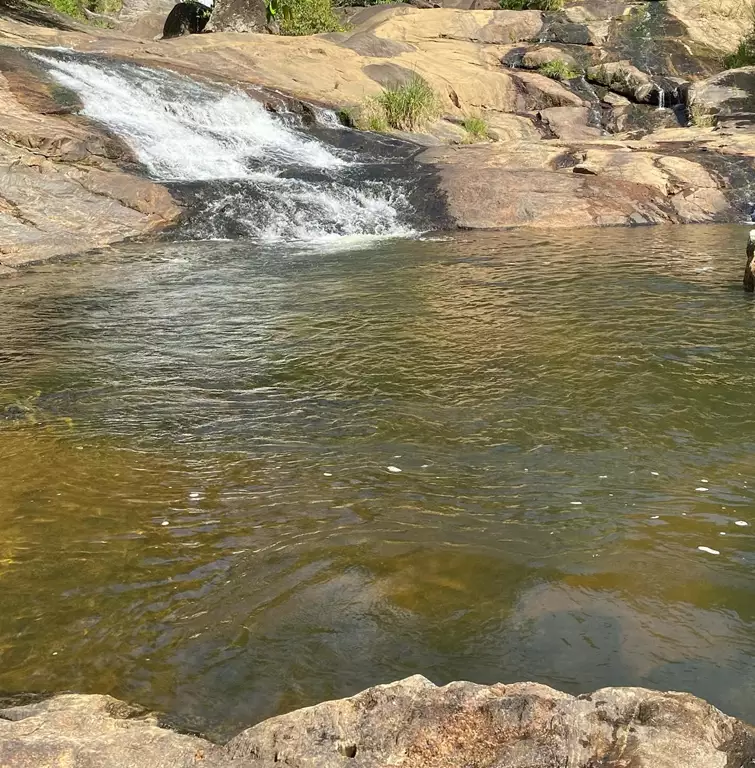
<point>242,171</point>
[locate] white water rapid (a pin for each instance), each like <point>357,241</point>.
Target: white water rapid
<point>253,173</point>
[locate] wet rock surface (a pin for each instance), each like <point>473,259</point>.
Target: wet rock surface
<point>411,724</point>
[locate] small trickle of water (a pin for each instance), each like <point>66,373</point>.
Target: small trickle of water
<point>661,97</point>
<point>274,180</point>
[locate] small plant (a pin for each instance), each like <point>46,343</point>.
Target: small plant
<point>531,5</point>
<point>744,56</point>
<point>558,70</point>
<point>476,128</point>
<point>700,117</point>
<point>409,107</point>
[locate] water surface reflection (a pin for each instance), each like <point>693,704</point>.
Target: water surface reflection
<point>198,511</point>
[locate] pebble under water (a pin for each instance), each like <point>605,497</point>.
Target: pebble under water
<point>240,478</point>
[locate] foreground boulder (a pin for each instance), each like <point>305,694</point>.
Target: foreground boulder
<point>408,724</point>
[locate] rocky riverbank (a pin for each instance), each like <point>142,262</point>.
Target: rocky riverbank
<point>410,723</point>
<point>608,148</point>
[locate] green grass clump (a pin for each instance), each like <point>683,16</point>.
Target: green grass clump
<point>476,128</point>
<point>370,116</point>
<point>411,106</point>
<point>531,5</point>
<point>557,70</point>
<point>744,56</point>
<point>306,17</point>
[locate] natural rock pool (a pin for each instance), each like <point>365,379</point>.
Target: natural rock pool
<point>237,479</point>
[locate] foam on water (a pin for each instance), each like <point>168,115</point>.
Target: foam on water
<point>185,132</point>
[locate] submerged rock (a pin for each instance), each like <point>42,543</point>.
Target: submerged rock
<point>408,724</point>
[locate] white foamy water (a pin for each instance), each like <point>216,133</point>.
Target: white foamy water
<point>184,131</point>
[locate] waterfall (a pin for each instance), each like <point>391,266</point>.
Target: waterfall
<point>245,172</point>
<point>661,97</point>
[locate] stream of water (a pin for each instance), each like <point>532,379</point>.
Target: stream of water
<point>242,477</point>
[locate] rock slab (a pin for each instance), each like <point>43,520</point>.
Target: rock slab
<point>408,724</point>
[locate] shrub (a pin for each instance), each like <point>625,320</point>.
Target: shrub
<point>69,7</point>
<point>557,70</point>
<point>476,128</point>
<point>76,8</point>
<point>531,5</point>
<point>409,107</point>
<point>304,17</point>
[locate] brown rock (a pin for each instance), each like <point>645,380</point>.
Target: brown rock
<point>93,732</point>
<point>407,724</point>
<point>535,58</point>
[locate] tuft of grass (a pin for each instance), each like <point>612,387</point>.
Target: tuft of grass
<point>476,128</point>
<point>557,70</point>
<point>531,5</point>
<point>368,116</point>
<point>306,17</point>
<point>744,55</point>
<point>700,117</point>
<point>411,106</point>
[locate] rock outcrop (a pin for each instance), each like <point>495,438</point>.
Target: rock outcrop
<point>592,151</point>
<point>407,724</point>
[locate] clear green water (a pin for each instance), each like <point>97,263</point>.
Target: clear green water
<point>197,512</point>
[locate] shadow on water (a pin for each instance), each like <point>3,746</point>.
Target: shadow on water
<point>243,478</point>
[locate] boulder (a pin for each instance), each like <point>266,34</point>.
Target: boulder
<point>535,58</point>
<point>624,78</point>
<point>186,19</point>
<point>93,732</point>
<point>238,16</point>
<point>408,724</point>
<point>556,185</point>
<point>728,95</point>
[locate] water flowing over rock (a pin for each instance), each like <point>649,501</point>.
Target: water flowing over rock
<point>560,153</point>
<point>410,724</point>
